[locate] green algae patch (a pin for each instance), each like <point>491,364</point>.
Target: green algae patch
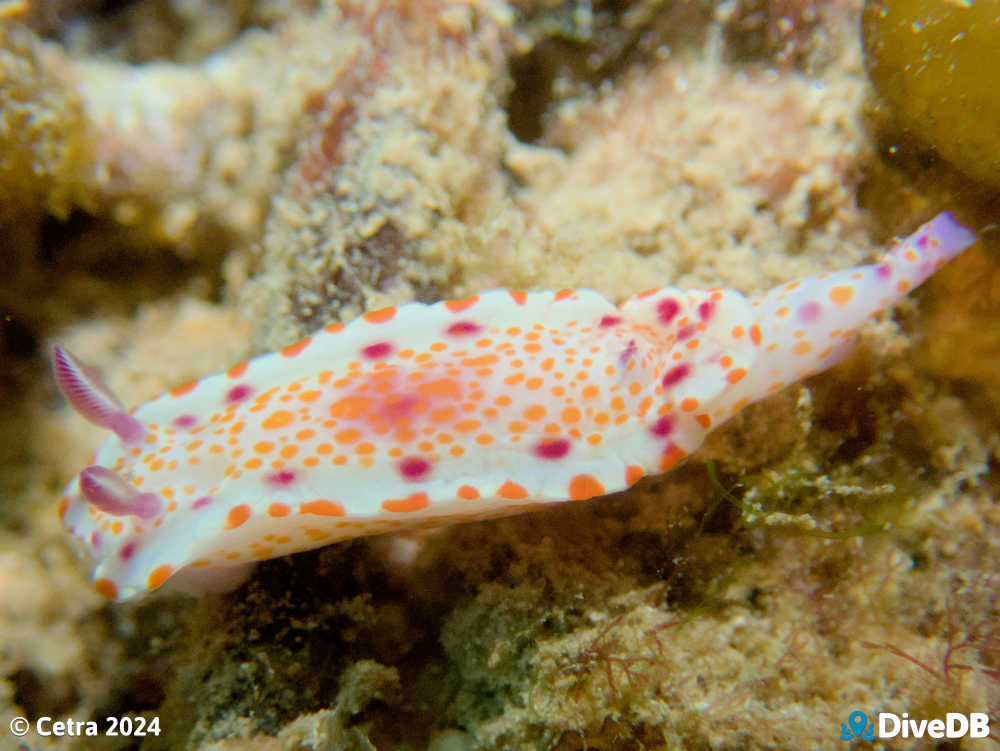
<point>930,61</point>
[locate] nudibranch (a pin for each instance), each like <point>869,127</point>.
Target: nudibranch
<point>460,410</point>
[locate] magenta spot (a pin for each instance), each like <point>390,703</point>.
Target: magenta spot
<point>884,272</point>
<point>552,449</point>
<point>464,328</point>
<point>239,393</point>
<point>185,421</point>
<point>628,353</point>
<point>201,502</point>
<point>676,374</point>
<point>375,351</point>
<point>809,312</point>
<point>662,427</point>
<point>95,539</point>
<point>706,310</point>
<point>667,309</point>
<point>127,550</point>
<point>609,321</point>
<point>281,479</point>
<point>686,332</point>
<point>414,467</point>
<point>923,241</point>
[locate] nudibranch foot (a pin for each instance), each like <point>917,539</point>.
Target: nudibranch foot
<point>427,414</point>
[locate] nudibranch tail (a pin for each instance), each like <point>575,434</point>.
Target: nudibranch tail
<point>810,324</point>
<point>462,410</point>
<point>88,395</point>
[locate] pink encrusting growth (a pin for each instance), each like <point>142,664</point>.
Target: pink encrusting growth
<point>461,410</point>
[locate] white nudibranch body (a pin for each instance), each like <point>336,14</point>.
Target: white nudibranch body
<point>426,414</point>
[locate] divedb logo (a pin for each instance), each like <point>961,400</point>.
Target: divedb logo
<point>890,725</point>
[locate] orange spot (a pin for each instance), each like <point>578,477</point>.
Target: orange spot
<point>690,404</point>
<point>457,306</point>
<point>570,415</point>
<point>535,412</point>
<point>503,401</point>
<point>441,387</point>
<point>735,376</point>
<point>116,528</point>
<point>841,294</point>
<point>583,487</point>
<point>350,435</point>
<point>289,451</point>
<point>533,383</point>
<point>563,294</point>
<point>518,296</point>
<point>476,362</point>
<point>755,334</point>
<point>237,370</point>
<point>704,420</point>
<point>350,407</point>
<point>159,575</point>
<point>512,491</point>
<point>903,285</point>
<point>634,473</point>
<point>305,435</point>
<point>594,438</point>
<point>467,492</point>
<point>186,388</point>
<point>782,311</point>
<point>380,316</point>
<point>263,447</point>
<point>333,328</point>
<point>484,439</point>
<point>309,396</point>
<point>106,588</point>
<point>293,349</point>
<point>591,392</point>
<point>278,419</point>
<point>726,361</point>
<point>365,448</point>
<point>413,502</point>
<point>279,509</point>
<point>737,332</point>
<point>237,516</point>
<point>322,508</point>
<point>467,426</point>
<point>513,380</point>
<point>670,457</point>
<point>802,348</point>
<point>316,534</point>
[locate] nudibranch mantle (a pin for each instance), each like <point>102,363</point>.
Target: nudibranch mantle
<point>427,414</point>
